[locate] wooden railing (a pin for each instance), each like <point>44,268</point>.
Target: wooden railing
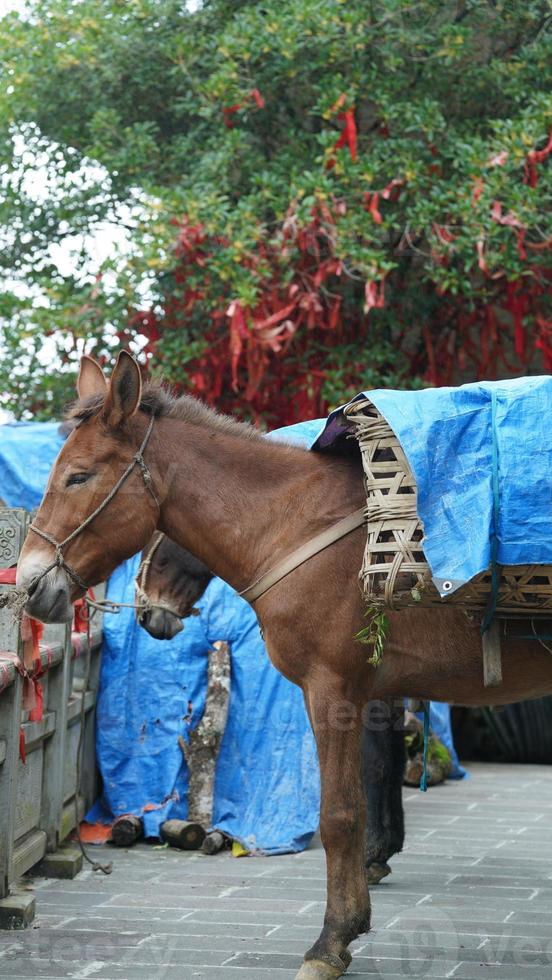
<point>41,692</point>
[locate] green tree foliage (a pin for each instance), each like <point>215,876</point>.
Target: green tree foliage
<point>320,195</point>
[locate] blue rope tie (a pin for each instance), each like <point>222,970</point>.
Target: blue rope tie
<point>423,780</point>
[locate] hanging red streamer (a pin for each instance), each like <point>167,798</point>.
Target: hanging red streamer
<point>229,111</point>
<point>257,98</point>
<point>371,203</point>
<point>238,333</point>
<point>515,302</point>
<point>533,158</point>
<point>347,138</point>
<point>374,294</point>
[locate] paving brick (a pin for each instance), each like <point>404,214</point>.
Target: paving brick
<point>470,897</point>
<point>64,863</point>
<point>17,910</point>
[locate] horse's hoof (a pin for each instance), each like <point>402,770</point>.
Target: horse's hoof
<point>321,970</point>
<point>375,872</point>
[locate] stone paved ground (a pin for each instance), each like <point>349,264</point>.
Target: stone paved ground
<point>471,897</point>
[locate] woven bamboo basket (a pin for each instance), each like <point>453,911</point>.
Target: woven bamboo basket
<point>394,572</point>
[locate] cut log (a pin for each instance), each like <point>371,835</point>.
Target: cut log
<point>126,830</point>
<point>188,835</point>
<point>213,843</point>
<point>202,748</point>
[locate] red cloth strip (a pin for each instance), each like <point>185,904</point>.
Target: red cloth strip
<point>32,689</point>
<point>37,711</point>
<point>4,677</point>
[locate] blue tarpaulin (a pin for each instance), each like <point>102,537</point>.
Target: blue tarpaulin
<point>449,436</point>
<point>27,452</point>
<point>151,691</point>
<point>267,783</point>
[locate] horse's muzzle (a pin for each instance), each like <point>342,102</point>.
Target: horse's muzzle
<point>160,623</point>
<point>49,598</point>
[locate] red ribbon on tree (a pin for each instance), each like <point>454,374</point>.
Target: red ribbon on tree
<point>257,98</point>
<point>374,293</point>
<point>371,203</point>
<point>391,192</point>
<point>229,111</point>
<point>348,135</point>
<point>516,304</point>
<point>238,333</point>
<point>533,158</point>
<point>544,341</point>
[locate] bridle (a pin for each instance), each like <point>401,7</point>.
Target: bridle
<point>59,560</point>
<point>144,603</point>
<point>142,574</point>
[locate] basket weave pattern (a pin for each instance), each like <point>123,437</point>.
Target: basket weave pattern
<point>394,571</point>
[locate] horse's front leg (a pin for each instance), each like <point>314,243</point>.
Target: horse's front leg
<point>335,710</point>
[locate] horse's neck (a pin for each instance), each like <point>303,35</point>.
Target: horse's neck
<point>237,504</point>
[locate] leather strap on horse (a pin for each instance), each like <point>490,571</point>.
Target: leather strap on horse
<point>302,554</point>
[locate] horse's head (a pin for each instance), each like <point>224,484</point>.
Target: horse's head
<point>172,580</point>
<point>99,507</point>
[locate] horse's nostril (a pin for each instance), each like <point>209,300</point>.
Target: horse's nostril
<point>33,586</point>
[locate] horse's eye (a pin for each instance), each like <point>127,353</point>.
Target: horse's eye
<point>77,478</point>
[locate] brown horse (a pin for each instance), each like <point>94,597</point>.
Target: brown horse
<point>138,461</point>
<point>172,581</point>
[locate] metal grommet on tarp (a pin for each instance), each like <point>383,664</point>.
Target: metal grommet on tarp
<point>446,586</point>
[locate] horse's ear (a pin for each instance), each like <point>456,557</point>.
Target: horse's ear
<point>125,391</point>
<point>91,380</point>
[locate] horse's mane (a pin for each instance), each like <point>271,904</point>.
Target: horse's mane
<point>159,401</point>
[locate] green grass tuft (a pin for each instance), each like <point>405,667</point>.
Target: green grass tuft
<point>374,634</point>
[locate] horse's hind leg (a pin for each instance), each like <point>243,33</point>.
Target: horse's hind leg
<point>335,709</point>
<point>382,770</point>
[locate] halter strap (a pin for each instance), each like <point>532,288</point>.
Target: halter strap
<point>302,554</point>
<point>59,560</point>
<point>142,573</point>
<point>145,604</point>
